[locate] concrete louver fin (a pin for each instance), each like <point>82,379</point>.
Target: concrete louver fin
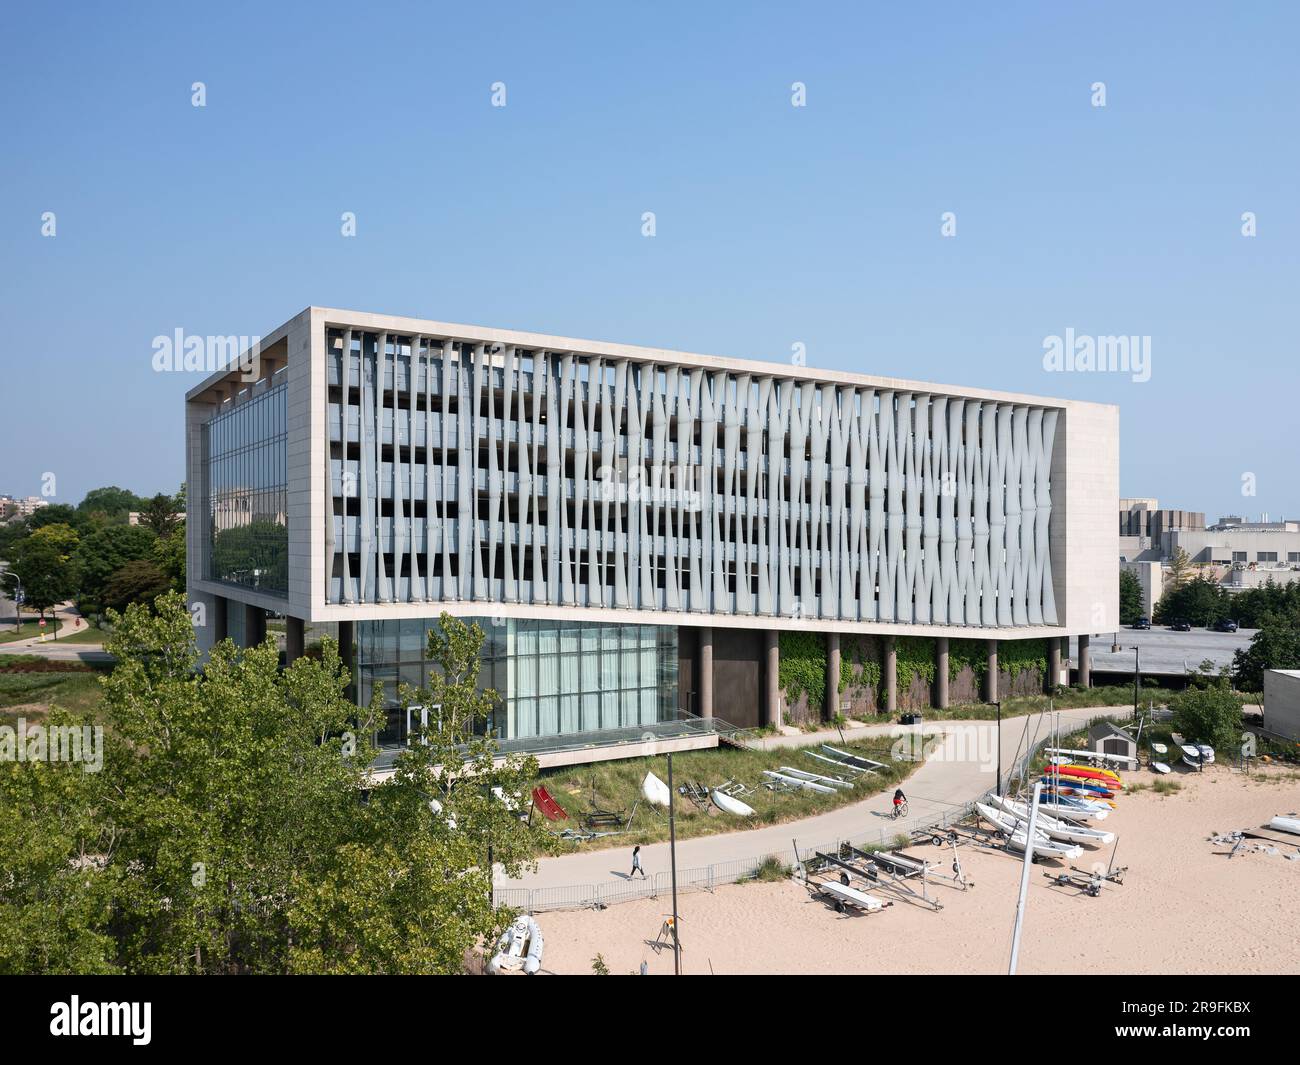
<point>398,521</point>
<point>450,375</point>
<point>691,489</point>
<point>345,381</point>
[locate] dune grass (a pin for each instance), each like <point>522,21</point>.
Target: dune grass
<point>616,787</point>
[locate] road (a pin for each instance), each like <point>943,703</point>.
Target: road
<point>961,768</point>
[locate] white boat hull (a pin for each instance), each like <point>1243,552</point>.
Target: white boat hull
<point>1017,835</point>
<point>519,948</point>
<point>1052,826</point>
<point>1285,824</point>
<point>655,791</point>
<point>731,805</point>
<point>808,785</point>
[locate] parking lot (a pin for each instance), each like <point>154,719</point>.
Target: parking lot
<point>1162,650</point>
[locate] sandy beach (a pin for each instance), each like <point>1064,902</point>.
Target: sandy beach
<point>1184,907</point>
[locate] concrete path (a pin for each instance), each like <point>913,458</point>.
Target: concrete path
<point>961,767</point>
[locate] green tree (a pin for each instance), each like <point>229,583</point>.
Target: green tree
<point>1180,568</point>
<point>55,892</point>
<point>159,515</point>
<point>168,554</point>
<point>103,552</point>
<point>45,562</point>
<point>1209,715</point>
<point>236,826</point>
<point>456,801</point>
<point>140,581</point>
<point>113,502</point>
<point>1201,600</point>
<point>1275,646</point>
<point>1131,605</point>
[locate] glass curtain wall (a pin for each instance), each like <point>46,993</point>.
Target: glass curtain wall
<point>552,677</point>
<point>245,457</point>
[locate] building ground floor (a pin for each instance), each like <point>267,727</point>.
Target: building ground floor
<point>558,680</point>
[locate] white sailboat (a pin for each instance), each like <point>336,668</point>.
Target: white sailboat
<point>1054,827</point>
<point>1017,837</point>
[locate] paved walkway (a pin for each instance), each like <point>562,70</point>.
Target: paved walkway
<point>962,767</point>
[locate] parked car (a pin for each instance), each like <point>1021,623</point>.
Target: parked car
<point>1225,625</point>
<point>1142,623</point>
<point>1181,625</point>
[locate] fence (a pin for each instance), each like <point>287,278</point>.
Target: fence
<point>708,877</point>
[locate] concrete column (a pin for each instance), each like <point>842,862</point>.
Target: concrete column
<point>706,672</point>
<point>991,676</point>
<point>832,675</point>
<point>254,625</point>
<point>1085,663</point>
<point>293,640</point>
<point>890,677</point>
<point>772,679</point>
<point>220,628</point>
<point>1053,663</point>
<point>941,672</point>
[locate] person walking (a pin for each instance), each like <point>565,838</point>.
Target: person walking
<point>636,864</point>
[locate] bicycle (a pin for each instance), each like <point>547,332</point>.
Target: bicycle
<point>900,810</point>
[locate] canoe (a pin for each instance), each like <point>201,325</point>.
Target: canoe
<point>1285,824</point>
<point>730,804</point>
<point>1083,793</point>
<point>655,791</point>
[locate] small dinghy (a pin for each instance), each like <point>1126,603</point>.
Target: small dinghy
<point>1160,767</point>
<point>519,948</point>
<point>1285,824</point>
<point>731,805</point>
<point>655,791</point>
<point>1191,755</point>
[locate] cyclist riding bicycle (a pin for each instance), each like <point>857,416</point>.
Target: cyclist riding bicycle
<point>900,800</point>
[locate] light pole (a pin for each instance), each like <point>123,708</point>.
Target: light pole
<point>672,852</point>
<point>1137,673</point>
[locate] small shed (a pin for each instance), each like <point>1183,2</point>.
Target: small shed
<point>1107,738</point>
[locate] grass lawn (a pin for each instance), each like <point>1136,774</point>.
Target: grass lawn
<point>1019,705</point>
<point>79,693</point>
<point>616,786</point>
<point>29,629</point>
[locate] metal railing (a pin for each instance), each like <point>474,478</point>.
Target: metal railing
<point>709,877</point>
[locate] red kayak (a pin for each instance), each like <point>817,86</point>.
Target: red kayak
<point>1104,775</point>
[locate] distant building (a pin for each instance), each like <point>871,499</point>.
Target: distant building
<point>1235,551</point>
<point>22,506</point>
<point>133,518</point>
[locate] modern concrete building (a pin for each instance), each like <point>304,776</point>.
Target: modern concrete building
<point>637,530</point>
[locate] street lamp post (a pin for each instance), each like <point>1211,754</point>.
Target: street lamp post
<point>1137,673</point>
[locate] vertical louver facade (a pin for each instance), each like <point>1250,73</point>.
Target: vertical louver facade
<point>467,470</point>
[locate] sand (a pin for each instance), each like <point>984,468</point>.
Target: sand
<point>1184,907</point>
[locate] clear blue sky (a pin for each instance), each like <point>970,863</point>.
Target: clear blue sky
<point>776,224</point>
